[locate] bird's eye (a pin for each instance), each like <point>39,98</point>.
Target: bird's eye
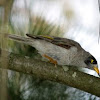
<point>92,61</point>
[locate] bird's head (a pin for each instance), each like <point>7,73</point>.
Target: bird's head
<point>91,62</point>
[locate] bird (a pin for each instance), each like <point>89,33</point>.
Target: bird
<point>59,51</point>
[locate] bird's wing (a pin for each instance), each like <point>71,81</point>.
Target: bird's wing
<point>62,42</point>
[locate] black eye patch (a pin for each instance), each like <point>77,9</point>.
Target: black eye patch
<point>93,60</point>
<point>90,60</point>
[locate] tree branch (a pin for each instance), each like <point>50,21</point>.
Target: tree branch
<point>45,70</point>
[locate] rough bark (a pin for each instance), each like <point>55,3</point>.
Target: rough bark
<point>45,70</point>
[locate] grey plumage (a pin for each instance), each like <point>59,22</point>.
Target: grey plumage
<point>64,51</point>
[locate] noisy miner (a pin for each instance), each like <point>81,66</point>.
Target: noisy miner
<point>61,51</point>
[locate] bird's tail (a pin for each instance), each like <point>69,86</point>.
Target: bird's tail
<point>19,38</point>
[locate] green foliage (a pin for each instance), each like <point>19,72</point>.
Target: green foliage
<point>41,27</point>
<point>37,26</point>
<point>39,89</point>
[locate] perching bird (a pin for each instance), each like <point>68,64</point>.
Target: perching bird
<point>60,51</point>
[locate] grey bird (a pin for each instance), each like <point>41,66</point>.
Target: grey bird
<point>61,51</point>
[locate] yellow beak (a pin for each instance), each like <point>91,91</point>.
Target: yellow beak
<point>97,70</point>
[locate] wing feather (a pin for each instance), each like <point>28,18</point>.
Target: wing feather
<point>62,42</point>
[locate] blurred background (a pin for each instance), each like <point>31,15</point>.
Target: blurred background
<point>74,19</point>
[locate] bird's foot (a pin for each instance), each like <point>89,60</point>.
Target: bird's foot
<point>51,60</point>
